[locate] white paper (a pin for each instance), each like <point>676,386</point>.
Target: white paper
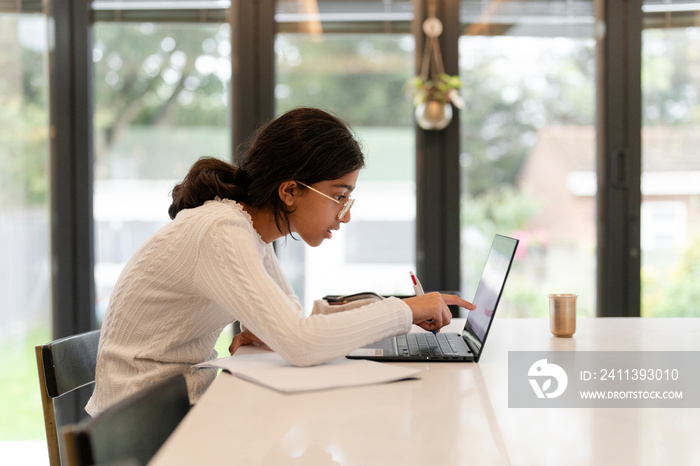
<point>270,370</point>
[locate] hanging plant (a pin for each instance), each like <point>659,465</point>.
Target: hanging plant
<point>434,92</point>
<point>434,98</point>
<point>443,89</point>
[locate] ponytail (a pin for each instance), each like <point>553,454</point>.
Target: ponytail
<point>207,179</point>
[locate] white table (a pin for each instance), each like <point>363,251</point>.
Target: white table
<point>457,413</point>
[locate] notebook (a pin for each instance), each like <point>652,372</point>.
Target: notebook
<point>454,347</point>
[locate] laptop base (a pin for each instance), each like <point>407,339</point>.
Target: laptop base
<point>392,349</point>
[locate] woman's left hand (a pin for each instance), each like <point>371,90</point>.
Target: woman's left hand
<point>246,337</point>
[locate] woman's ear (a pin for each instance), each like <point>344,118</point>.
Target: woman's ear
<point>288,191</point>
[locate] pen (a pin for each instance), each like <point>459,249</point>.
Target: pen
<point>418,288</point>
<point>416,285</point>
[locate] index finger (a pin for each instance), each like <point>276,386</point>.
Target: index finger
<point>452,300</point>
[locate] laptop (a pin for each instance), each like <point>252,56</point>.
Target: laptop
<point>453,347</point>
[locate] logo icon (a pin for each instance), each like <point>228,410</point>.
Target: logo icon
<point>546,372</point>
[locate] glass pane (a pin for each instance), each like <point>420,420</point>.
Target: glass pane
<point>161,102</point>
<point>528,148</point>
<point>670,217</point>
<point>25,268</point>
<point>362,79</point>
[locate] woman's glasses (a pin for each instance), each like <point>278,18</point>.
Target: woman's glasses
<point>346,205</point>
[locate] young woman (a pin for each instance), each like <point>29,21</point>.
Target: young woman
<point>214,263</point>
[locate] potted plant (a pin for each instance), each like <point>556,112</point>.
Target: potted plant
<point>434,98</point>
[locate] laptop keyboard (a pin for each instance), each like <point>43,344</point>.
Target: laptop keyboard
<point>425,344</point>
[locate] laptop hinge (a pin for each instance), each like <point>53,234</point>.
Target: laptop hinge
<point>473,344</point>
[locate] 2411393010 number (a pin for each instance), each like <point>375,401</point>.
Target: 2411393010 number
<point>639,374</point>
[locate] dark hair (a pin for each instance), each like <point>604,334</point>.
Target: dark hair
<point>305,144</point>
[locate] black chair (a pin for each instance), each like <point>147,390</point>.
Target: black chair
<point>64,365</point>
<point>131,431</point>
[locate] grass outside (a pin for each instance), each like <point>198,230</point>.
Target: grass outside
<point>20,404</point>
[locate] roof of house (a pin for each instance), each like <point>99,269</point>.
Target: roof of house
<point>664,149</point>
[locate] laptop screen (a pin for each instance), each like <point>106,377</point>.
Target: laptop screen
<point>490,288</point>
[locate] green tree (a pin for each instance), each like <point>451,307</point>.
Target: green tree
<point>23,120</point>
<point>157,75</point>
<point>670,76</point>
<point>505,109</point>
<point>361,78</point>
<point>676,294</point>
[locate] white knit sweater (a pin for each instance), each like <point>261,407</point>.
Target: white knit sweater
<point>199,273</point>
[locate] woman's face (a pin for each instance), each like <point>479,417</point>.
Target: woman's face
<point>315,217</point>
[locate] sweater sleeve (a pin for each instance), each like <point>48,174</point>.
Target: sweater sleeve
<point>321,306</point>
<point>230,271</point>
<point>272,266</point>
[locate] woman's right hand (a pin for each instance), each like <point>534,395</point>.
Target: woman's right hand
<point>430,311</point>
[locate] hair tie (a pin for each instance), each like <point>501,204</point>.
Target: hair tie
<point>240,179</point>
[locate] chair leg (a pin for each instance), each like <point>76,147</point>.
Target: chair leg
<point>70,446</point>
<point>49,413</point>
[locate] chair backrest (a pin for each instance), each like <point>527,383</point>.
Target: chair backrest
<point>133,429</point>
<point>64,365</point>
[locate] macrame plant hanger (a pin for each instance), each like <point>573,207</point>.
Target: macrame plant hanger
<point>435,111</point>
<point>432,28</point>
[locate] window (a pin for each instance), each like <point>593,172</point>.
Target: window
<point>25,268</point>
<point>322,61</point>
<point>527,148</point>
<point>670,221</point>
<point>161,102</point>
